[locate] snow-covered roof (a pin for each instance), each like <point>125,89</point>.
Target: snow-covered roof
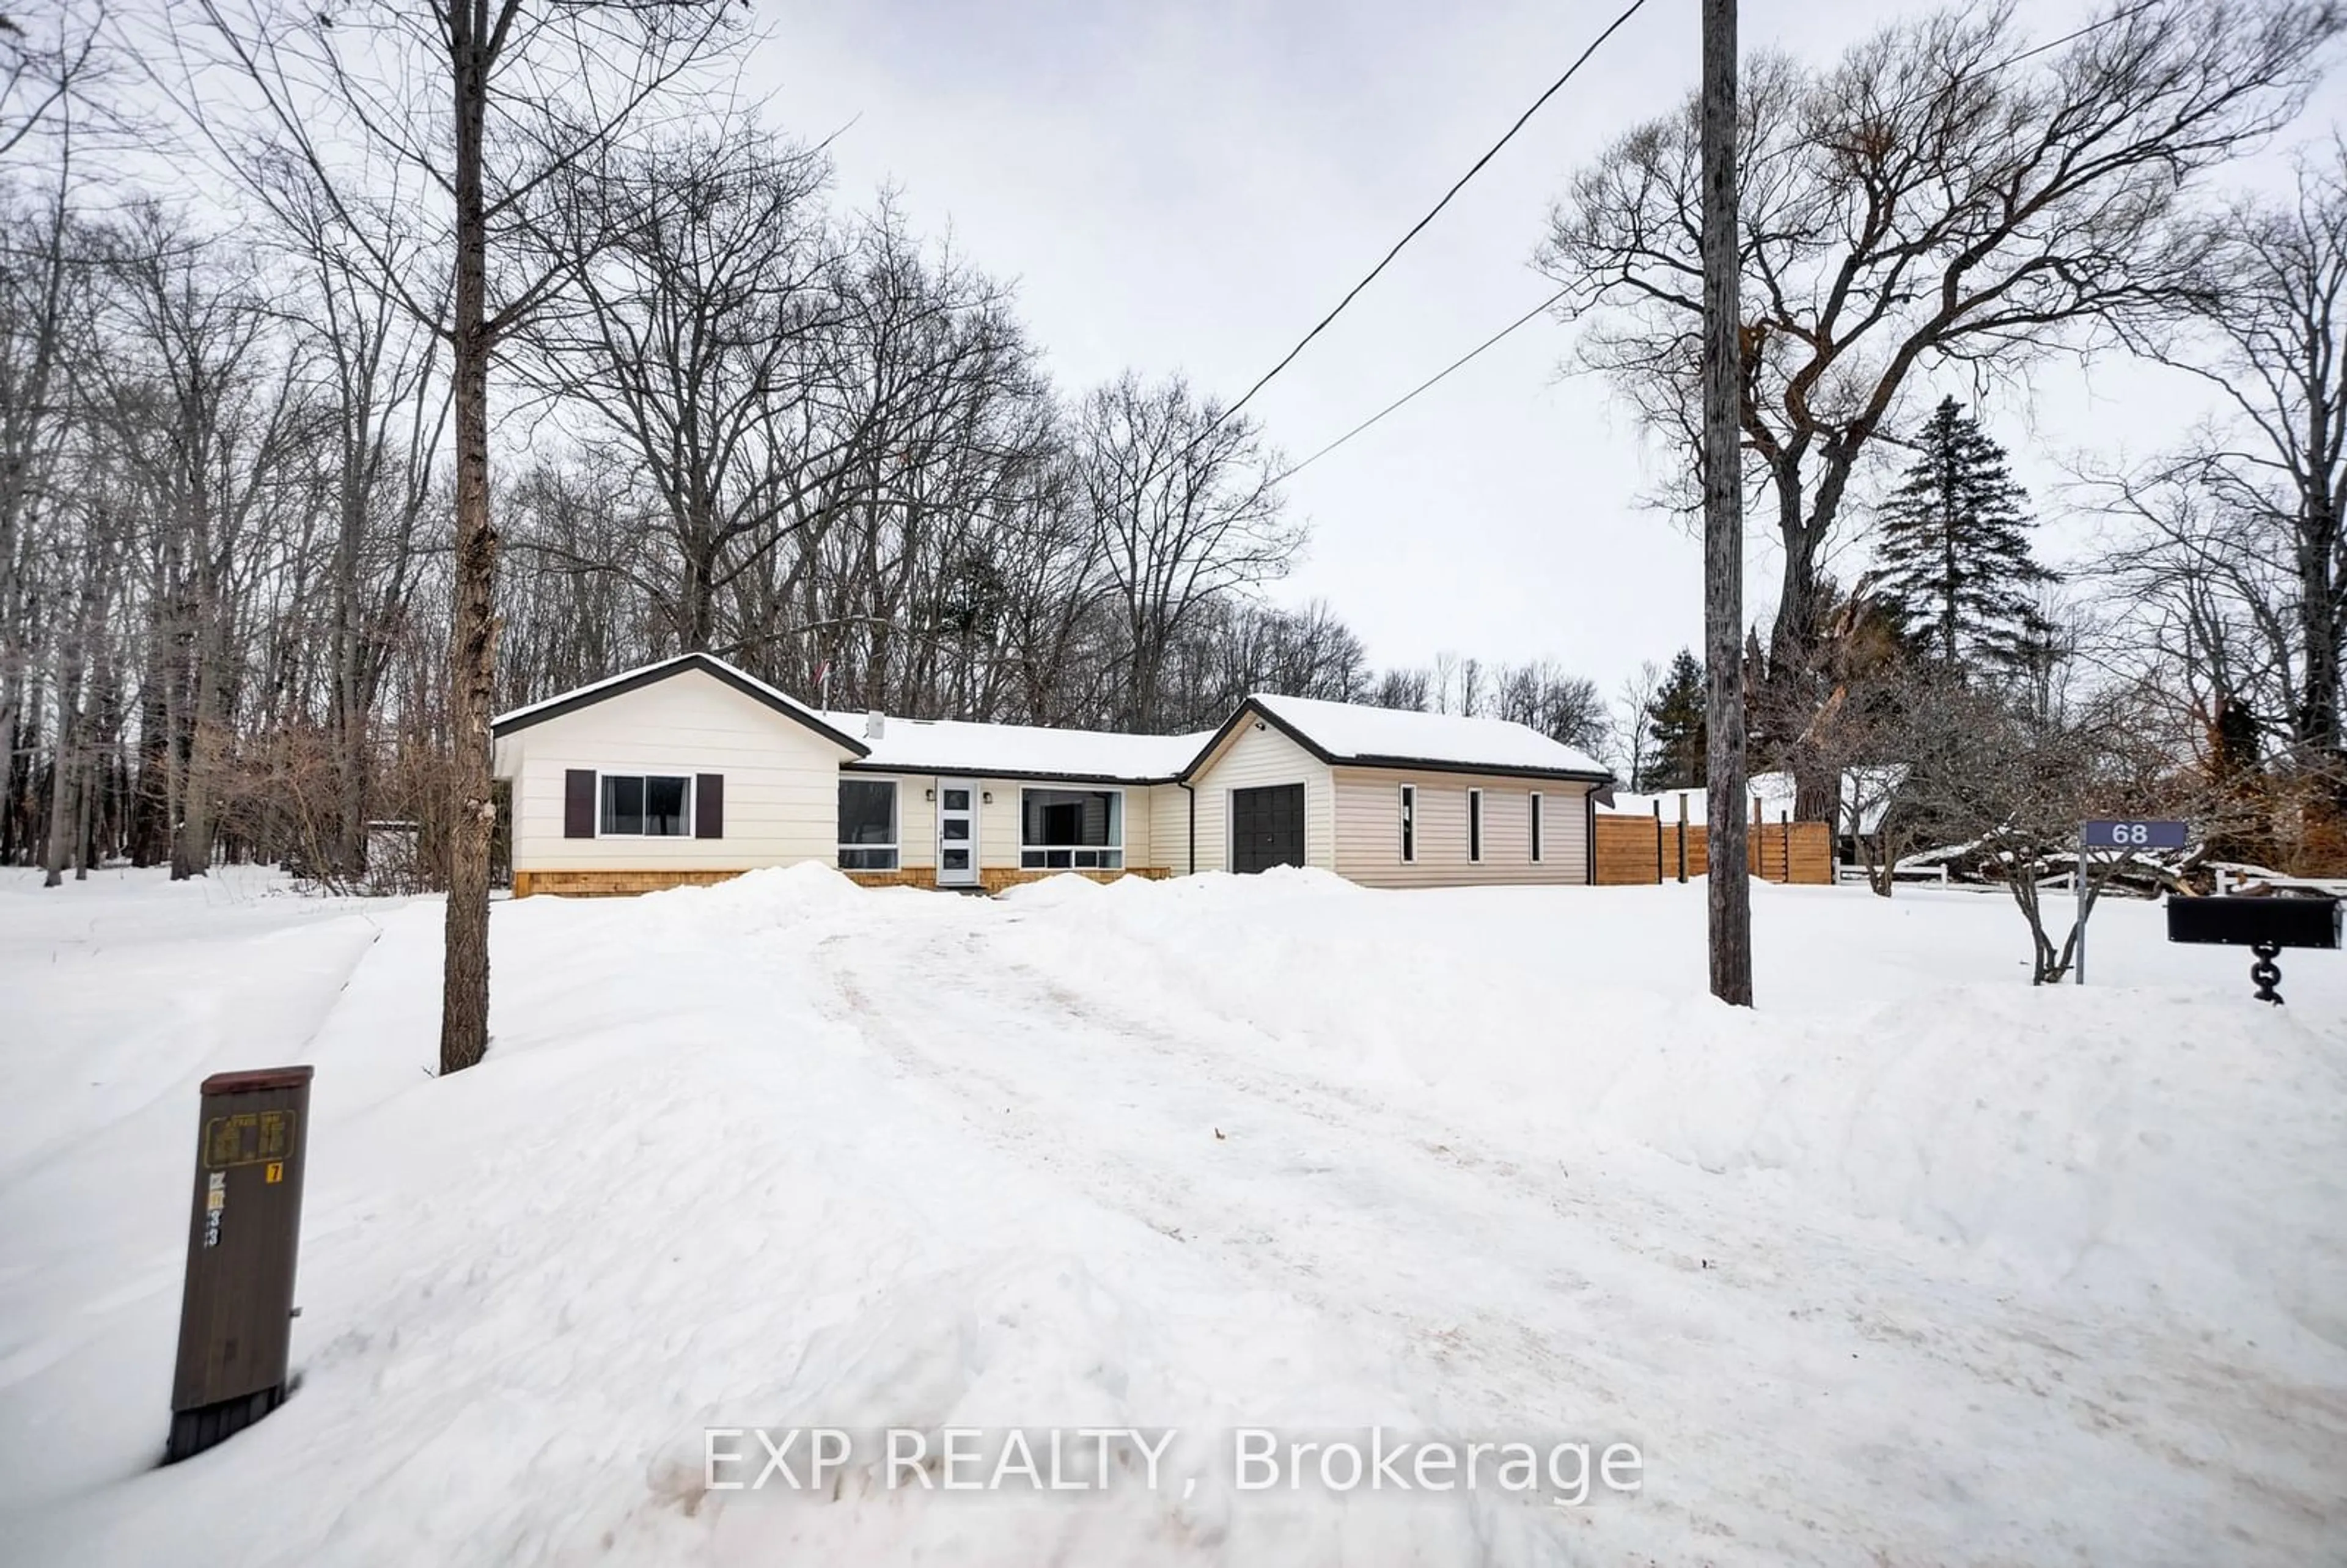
<point>660,670</point>
<point>958,746</point>
<point>1338,732</point>
<point>1349,732</point>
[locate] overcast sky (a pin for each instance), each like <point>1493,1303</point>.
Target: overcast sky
<point>1189,187</point>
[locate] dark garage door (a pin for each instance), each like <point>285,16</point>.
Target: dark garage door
<point>1267,828</point>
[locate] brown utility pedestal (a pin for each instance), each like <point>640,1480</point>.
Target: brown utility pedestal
<point>236,1312</point>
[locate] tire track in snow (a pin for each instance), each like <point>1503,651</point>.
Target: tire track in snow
<point>1374,1213</point>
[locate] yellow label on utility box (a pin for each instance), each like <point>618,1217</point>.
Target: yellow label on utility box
<point>248,1138</point>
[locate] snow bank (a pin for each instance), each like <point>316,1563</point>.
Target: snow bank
<point>1053,892</point>
<point>2108,1138</point>
<point>1915,1263</point>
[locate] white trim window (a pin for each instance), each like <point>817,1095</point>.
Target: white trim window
<point>1071,829</point>
<point>643,805</point>
<point>1409,824</point>
<point>1475,827</point>
<point>867,825</point>
<point>1536,826</point>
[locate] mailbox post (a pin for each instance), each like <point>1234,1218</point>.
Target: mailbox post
<point>2264,924</point>
<point>2117,838</point>
<point>244,1229</point>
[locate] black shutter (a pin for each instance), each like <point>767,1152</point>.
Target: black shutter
<point>579,803</point>
<point>709,805</point>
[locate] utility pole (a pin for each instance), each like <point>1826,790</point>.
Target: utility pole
<point>1730,889</point>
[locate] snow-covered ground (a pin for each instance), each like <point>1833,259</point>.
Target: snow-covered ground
<point>1914,1264</point>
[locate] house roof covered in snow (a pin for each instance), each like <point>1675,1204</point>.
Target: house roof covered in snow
<point>1350,734</point>
<point>1016,751</point>
<point>1336,733</point>
<point>644,675</point>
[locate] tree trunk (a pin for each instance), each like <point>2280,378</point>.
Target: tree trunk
<point>472,646</point>
<point>191,851</point>
<point>86,816</point>
<point>63,808</point>
<point>2318,609</point>
<point>1728,890</point>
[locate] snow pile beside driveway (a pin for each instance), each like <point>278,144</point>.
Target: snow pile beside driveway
<point>1915,1265</point>
<point>2107,1139</point>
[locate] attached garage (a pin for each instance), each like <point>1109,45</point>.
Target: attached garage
<point>1391,798</point>
<point>1267,828</point>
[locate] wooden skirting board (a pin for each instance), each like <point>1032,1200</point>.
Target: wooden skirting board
<point>610,884</point>
<point>992,878</point>
<point>623,883</point>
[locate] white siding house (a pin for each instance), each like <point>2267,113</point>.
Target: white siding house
<point>775,801</point>
<point>690,770</point>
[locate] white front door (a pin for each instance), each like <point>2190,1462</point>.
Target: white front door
<point>957,833</point>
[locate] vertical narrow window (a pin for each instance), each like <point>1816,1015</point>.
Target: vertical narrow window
<point>1474,825</point>
<point>1536,827</point>
<point>1409,824</point>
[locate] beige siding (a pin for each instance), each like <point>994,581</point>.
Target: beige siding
<point>1251,759</point>
<point>1368,829</point>
<point>782,799</point>
<point>1169,829</point>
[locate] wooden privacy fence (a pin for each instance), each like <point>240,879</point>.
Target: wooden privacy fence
<point>1640,851</point>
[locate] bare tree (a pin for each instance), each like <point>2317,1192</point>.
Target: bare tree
<point>1184,507</point>
<point>378,409</point>
<point>2251,519</point>
<point>2012,787</point>
<point>705,306</point>
<point>51,69</point>
<point>198,412</point>
<point>1631,701</point>
<point>416,92</point>
<point>1940,196</point>
<point>1410,690</point>
<point>1564,707</point>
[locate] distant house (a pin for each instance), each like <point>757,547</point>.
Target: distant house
<point>691,770</point>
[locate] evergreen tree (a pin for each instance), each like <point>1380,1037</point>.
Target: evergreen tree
<point>1676,723</point>
<point>1955,567</point>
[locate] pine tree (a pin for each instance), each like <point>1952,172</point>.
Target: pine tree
<point>1955,566</point>
<point>1676,723</point>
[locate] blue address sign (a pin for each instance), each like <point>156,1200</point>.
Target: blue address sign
<point>2133,833</point>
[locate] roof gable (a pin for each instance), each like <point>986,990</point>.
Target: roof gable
<point>635,679</point>
<point>1355,735</point>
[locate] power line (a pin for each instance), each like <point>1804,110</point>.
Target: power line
<point>1435,212</point>
<point>1424,385</point>
<point>1524,320</point>
<point>2094,27</point>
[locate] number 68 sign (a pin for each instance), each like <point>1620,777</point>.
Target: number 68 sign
<point>2132,834</point>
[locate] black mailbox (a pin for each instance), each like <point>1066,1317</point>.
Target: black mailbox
<point>2266,922</point>
<point>2263,925</point>
<point>237,1307</point>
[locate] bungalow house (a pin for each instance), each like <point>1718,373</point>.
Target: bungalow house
<point>691,770</point>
